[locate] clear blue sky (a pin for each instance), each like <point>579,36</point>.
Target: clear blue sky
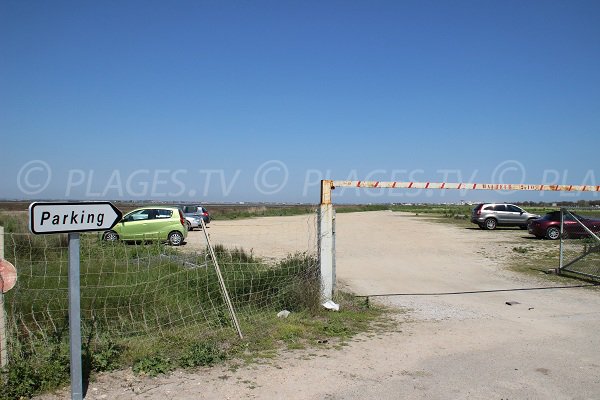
<point>150,99</point>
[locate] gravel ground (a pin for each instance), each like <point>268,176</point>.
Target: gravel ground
<point>471,346</point>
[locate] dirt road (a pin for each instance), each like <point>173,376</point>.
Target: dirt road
<point>470,346</point>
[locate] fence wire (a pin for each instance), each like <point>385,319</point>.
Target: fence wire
<point>138,297</point>
<point>580,242</point>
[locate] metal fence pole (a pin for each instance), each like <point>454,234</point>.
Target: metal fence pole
<point>562,225</point>
<point>3,327</point>
<point>75,317</point>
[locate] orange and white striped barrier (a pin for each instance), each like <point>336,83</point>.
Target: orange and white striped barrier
<point>465,186</point>
<point>328,185</point>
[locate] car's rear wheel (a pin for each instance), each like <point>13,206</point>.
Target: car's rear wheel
<point>110,236</point>
<point>553,233</point>
<point>188,225</point>
<point>490,224</point>
<point>175,238</point>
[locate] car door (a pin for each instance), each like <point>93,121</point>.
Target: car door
<point>571,227</point>
<point>138,225</point>
<point>515,215</point>
<point>163,223</point>
<point>501,213</point>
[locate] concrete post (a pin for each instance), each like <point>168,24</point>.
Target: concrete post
<point>326,241</point>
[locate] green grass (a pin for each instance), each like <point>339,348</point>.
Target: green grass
<point>237,212</point>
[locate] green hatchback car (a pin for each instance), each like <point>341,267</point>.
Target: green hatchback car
<point>150,223</point>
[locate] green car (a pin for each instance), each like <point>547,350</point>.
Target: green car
<point>150,223</point>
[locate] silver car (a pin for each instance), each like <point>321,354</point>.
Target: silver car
<point>196,211</point>
<point>192,222</point>
<point>491,215</point>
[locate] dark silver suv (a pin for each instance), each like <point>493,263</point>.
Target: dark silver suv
<point>491,215</point>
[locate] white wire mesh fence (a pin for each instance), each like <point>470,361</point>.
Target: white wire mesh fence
<point>580,242</point>
<point>142,297</point>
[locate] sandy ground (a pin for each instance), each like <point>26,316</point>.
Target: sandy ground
<point>470,346</point>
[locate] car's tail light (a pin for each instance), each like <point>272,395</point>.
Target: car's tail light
<point>181,218</point>
<point>205,214</point>
<point>479,212</point>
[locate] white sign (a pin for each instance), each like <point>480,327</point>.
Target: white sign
<point>72,217</point>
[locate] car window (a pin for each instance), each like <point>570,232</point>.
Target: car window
<point>500,207</point>
<point>552,216</point>
<point>512,208</point>
<point>567,217</point>
<point>488,208</point>
<point>140,215</point>
<point>162,213</point>
<point>579,217</point>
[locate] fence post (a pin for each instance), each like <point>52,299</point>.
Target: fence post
<point>3,327</point>
<point>560,252</point>
<point>326,241</point>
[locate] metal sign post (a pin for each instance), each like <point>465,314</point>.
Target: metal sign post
<point>73,218</point>
<point>75,318</point>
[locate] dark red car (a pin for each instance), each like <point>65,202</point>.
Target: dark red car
<point>549,226</point>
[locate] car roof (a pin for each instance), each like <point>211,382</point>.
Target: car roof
<point>156,207</point>
<point>497,204</point>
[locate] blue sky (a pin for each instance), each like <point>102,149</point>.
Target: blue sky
<point>258,100</point>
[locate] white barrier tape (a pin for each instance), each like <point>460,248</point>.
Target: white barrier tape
<point>466,186</point>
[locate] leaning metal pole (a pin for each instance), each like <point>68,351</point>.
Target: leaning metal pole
<point>234,319</point>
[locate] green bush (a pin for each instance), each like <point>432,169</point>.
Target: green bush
<point>153,366</point>
<point>202,354</point>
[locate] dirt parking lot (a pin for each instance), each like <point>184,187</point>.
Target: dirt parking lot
<point>470,346</point>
